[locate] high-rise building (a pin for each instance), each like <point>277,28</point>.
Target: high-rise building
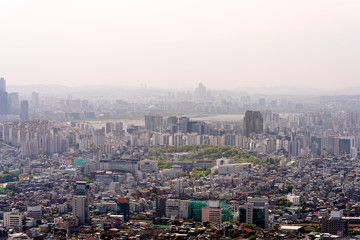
<point>335,224</point>
<point>13,104</point>
<point>81,202</point>
<point>34,212</point>
<point>3,103</point>
<point>119,126</point>
<point>178,208</point>
<point>13,220</point>
<point>109,127</point>
<point>262,102</point>
<point>2,85</point>
<point>200,94</point>
<point>212,213</point>
<point>35,99</point>
<point>184,124</point>
<point>24,110</point>
<point>253,123</point>
<point>160,207</point>
<point>81,188</point>
<point>153,122</point>
<point>3,97</point>
<point>255,211</point>
<point>81,209</point>
<point>123,208</point>
<point>172,124</point>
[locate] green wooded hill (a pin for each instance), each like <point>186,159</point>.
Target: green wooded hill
<point>201,152</point>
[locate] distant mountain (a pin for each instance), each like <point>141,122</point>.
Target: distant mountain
<point>120,92</point>
<point>299,91</point>
<point>126,91</point>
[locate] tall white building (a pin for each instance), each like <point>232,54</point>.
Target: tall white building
<point>294,199</point>
<point>81,202</point>
<point>255,211</point>
<point>13,219</point>
<point>200,95</point>
<point>81,209</point>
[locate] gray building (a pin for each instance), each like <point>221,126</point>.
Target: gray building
<point>253,123</point>
<point>13,104</point>
<point>24,110</point>
<point>255,211</point>
<point>81,202</point>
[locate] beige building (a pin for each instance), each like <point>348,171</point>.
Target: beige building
<point>210,214</point>
<point>177,207</point>
<point>81,208</point>
<point>12,220</point>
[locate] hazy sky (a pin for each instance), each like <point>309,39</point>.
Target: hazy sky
<point>176,44</point>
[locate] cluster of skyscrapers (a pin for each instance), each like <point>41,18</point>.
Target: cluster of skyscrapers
<point>10,106</point>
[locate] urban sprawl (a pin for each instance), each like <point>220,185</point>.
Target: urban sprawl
<point>179,165</point>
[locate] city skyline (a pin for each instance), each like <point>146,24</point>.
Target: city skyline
<point>179,120</point>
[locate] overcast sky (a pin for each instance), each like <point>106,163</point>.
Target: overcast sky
<point>177,44</point>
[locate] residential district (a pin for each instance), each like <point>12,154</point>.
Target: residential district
<point>267,175</point>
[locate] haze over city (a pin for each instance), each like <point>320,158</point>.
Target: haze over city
<point>174,120</point>
<point>166,44</point>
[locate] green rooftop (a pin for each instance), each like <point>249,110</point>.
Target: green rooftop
<point>80,162</point>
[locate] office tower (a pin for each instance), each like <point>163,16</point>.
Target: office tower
<point>81,209</point>
<point>160,207</point>
<point>153,122</point>
<point>184,124</point>
<point>85,104</point>
<point>172,124</point>
<point>255,211</point>
<point>119,126</point>
<point>262,102</point>
<point>346,144</point>
<point>2,85</point>
<point>3,97</point>
<point>13,219</point>
<point>177,208</point>
<point>24,110</point>
<point>200,94</point>
<point>35,99</point>
<point>109,127</point>
<point>212,213</point>
<point>81,202</point>
<point>3,103</point>
<point>253,123</point>
<point>274,104</point>
<point>76,103</point>
<point>196,127</point>
<point>123,208</point>
<point>172,120</point>
<point>34,212</point>
<point>335,224</point>
<point>13,104</point>
<point>81,188</point>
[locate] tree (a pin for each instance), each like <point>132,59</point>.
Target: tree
<point>258,191</point>
<point>284,202</point>
<point>206,224</point>
<point>289,188</point>
<point>248,225</point>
